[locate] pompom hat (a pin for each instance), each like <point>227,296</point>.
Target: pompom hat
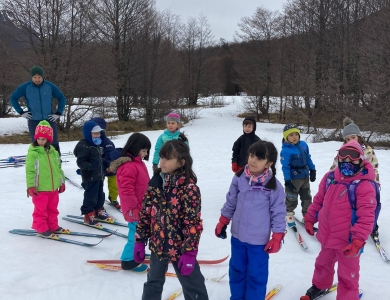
<point>173,117</point>
<point>36,71</point>
<point>44,130</point>
<point>350,128</point>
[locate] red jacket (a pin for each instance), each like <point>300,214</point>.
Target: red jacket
<point>132,178</point>
<point>331,208</point>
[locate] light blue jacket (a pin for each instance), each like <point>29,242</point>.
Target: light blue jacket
<point>296,160</point>
<point>255,211</point>
<point>162,139</point>
<point>39,99</point>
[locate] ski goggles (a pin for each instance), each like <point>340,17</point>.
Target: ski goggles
<point>351,153</point>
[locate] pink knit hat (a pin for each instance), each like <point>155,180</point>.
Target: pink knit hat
<point>44,130</point>
<point>173,117</point>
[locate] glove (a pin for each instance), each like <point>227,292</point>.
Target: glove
<point>235,167</point>
<point>139,252</point>
<point>354,248</point>
<point>275,243</point>
<point>154,167</point>
<point>62,188</point>
<point>95,164</point>
<point>313,175</point>
<point>220,229</point>
<point>78,171</point>
<point>309,226</point>
<point>133,215</point>
<point>187,262</point>
<point>32,191</point>
<point>288,184</point>
<point>26,114</point>
<point>54,117</point>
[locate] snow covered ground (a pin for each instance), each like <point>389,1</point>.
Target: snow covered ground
<point>35,268</point>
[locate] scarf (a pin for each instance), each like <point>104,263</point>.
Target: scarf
<point>259,179</point>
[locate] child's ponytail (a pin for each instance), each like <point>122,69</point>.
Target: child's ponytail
<point>183,137</point>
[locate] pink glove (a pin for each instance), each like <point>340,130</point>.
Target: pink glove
<point>220,229</point>
<point>354,248</point>
<point>32,191</point>
<point>275,243</point>
<point>187,262</point>
<point>139,252</point>
<point>62,188</point>
<point>309,226</point>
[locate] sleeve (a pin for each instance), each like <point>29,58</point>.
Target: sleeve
<point>83,160</point>
<point>59,96</point>
<point>192,222</point>
<point>278,209</point>
<point>309,161</point>
<point>62,174</point>
<point>285,162</point>
<point>365,210</point>
<point>126,180</point>
<point>143,230</point>
<point>318,200</point>
<point>16,95</point>
<point>236,150</point>
<point>156,156</point>
<point>229,207</point>
<point>370,155</point>
<point>30,169</point>
<point>335,164</point>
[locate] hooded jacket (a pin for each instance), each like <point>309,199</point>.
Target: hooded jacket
<point>162,139</point>
<point>132,179</point>
<point>89,155</point>
<point>296,160</point>
<point>332,209</point>
<point>241,145</point>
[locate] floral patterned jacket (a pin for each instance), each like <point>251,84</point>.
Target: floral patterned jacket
<point>171,216</point>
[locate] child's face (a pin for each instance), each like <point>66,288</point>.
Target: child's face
<point>248,128</point>
<point>257,165</point>
<point>352,137</point>
<point>172,126</point>
<point>95,134</point>
<point>143,153</point>
<point>293,138</point>
<point>41,141</point>
<point>169,166</point>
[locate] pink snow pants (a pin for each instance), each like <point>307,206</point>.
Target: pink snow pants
<point>347,272</point>
<point>45,214</point>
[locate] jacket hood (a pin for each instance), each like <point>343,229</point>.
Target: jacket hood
<point>86,130</point>
<point>118,162</point>
<point>102,123</point>
<point>250,118</point>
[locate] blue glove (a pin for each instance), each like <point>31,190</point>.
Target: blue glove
<point>78,171</point>
<point>288,184</point>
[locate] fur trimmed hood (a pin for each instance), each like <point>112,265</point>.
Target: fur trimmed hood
<point>118,162</point>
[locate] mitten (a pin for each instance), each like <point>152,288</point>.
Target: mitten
<point>275,243</point>
<point>62,188</point>
<point>187,262</point>
<point>32,191</point>
<point>309,226</point>
<point>235,167</point>
<point>220,229</point>
<point>26,114</point>
<point>288,184</point>
<point>354,248</point>
<point>139,252</point>
<point>313,175</point>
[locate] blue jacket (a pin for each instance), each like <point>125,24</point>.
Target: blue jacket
<point>296,160</point>
<point>255,211</point>
<point>162,139</point>
<point>38,99</point>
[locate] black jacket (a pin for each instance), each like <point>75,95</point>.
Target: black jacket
<point>241,147</point>
<point>87,157</point>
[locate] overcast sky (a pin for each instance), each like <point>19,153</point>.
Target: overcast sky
<point>223,15</point>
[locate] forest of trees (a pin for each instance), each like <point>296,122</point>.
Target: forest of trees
<point>321,59</point>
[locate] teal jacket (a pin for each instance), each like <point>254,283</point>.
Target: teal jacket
<point>43,169</point>
<point>162,139</point>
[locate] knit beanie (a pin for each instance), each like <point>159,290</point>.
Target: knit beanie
<point>173,117</point>
<point>290,128</point>
<point>252,119</point>
<point>36,71</point>
<point>350,128</point>
<point>44,130</point>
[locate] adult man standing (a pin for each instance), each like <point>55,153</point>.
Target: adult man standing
<point>39,95</point>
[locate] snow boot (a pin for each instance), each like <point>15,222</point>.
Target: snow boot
<point>312,293</point>
<point>114,203</point>
<point>290,219</point>
<point>47,235</point>
<point>129,265</point>
<point>89,219</point>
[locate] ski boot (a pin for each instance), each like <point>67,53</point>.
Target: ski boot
<point>312,293</point>
<point>114,203</point>
<point>89,219</point>
<point>101,214</point>
<point>62,230</point>
<point>47,235</point>
<point>290,219</point>
<point>375,232</point>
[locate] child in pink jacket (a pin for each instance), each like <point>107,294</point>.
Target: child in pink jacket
<point>342,239</point>
<point>132,179</point>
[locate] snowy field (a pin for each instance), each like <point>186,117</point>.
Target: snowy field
<point>34,268</point>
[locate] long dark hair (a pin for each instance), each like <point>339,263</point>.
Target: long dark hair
<point>135,143</point>
<point>179,150</point>
<point>265,150</point>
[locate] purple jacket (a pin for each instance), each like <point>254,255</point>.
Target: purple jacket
<point>254,210</point>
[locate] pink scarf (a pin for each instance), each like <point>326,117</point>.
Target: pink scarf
<point>259,179</point>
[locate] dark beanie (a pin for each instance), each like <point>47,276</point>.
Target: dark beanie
<point>36,71</point>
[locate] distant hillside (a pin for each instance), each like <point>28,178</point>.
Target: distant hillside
<point>10,35</point>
